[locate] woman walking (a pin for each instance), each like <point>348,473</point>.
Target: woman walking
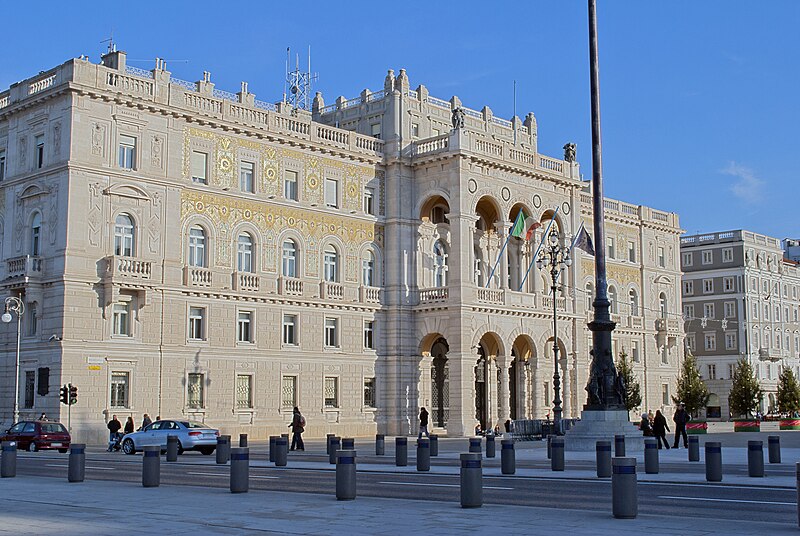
<point>298,426</point>
<point>660,429</point>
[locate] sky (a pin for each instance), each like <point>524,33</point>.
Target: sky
<point>699,100</point>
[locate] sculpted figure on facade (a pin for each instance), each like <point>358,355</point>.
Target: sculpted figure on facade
<point>570,152</point>
<point>458,118</point>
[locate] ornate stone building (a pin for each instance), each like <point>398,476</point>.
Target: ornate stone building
<point>185,251</point>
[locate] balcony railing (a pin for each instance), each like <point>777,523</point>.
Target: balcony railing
<point>290,286</point>
<point>245,281</point>
<point>128,268</point>
<point>433,295</point>
<point>491,295</point>
<point>195,276</point>
<point>329,290</point>
<point>369,294</point>
<point>27,266</point>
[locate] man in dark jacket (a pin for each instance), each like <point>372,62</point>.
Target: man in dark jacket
<point>423,423</point>
<point>298,426</point>
<point>680,419</point>
<point>114,427</point>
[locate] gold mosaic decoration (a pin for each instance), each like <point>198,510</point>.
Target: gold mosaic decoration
<point>623,275</point>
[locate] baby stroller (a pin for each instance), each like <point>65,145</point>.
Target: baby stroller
<point>115,442</point>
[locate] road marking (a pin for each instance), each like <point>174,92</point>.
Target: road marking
<point>225,474</point>
<point>710,499</point>
<point>438,485</point>
<point>87,467</point>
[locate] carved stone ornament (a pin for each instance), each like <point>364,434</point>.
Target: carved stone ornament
<point>570,152</point>
<point>458,118</point>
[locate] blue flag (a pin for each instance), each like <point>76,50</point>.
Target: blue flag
<point>583,241</point>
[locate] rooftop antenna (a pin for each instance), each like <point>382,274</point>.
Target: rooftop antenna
<point>298,83</point>
<point>112,47</point>
<point>515,112</point>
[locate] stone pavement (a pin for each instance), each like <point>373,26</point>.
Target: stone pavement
<point>34,505</point>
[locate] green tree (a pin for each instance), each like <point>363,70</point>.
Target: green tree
<point>746,393</point>
<point>788,392</point>
<point>692,390</point>
<point>633,395</point>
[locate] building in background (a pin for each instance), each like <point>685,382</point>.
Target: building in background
<point>189,252</point>
<point>741,298</point>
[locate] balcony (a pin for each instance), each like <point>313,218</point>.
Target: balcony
<point>245,282</point>
<point>764,354</point>
<point>491,295</point>
<point>369,294</point>
<point>128,268</point>
<point>667,324</point>
<point>433,295</point>
<point>290,286</point>
<point>26,267</point>
<point>329,290</point>
<point>195,276</point>
<point>547,303</point>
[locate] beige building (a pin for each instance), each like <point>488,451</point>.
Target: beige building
<point>188,252</point>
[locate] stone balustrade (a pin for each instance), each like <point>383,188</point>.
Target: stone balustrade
<point>246,281</point>
<point>129,268</point>
<point>27,266</point>
<point>329,290</point>
<point>369,294</point>
<point>290,286</point>
<point>195,276</point>
<point>433,295</point>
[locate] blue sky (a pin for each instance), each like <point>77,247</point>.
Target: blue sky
<point>699,99</point>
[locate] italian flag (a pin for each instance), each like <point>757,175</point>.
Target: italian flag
<point>524,226</point>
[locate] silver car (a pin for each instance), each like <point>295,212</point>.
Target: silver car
<point>191,436</point>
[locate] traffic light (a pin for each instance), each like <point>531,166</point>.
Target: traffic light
<point>73,394</point>
<point>64,395</point>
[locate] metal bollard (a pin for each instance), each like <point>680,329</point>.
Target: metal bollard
<point>335,444</point>
<point>423,454</point>
<point>281,451</point>
<point>490,446</point>
<point>345,475</point>
<point>774,446</point>
<point>401,451</point>
<point>619,445</point>
<point>240,469</point>
<point>508,457</point>
<point>475,444</point>
<point>380,444</point>
<point>694,448</point>
<point>8,464</point>
<point>242,440</point>
<point>651,456</point>
<point>434,444</point>
<point>223,449</point>
<point>624,497</point>
<point>328,438</point>
<point>557,446</point>
<point>348,443</point>
<point>172,448</point>
<point>603,450</point>
<point>797,471</point>
<point>549,447</point>
<point>76,471</point>
<point>151,466</point>
<point>272,440</point>
<point>714,461</point>
<point>755,458</point>
<point>471,480</point>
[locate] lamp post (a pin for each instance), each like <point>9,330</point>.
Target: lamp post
<point>556,257</point>
<point>15,305</point>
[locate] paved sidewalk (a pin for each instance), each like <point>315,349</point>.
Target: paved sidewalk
<point>34,505</point>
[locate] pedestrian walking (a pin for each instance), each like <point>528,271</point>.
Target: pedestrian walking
<point>680,419</point>
<point>298,426</point>
<point>129,426</point>
<point>423,423</point>
<point>114,426</point>
<point>43,416</point>
<point>146,421</point>
<point>660,429</point>
<point>645,426</point>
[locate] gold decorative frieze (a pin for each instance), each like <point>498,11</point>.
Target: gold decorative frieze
<point>624,275</point>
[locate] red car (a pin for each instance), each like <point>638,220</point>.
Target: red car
<point>39,435</point>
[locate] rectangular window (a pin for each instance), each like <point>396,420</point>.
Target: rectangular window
<point>727,255</point>
<point>662,262</point>
<point>730,309</point>
<point>731,368</point>
<point>2,165</point>
<point>369,392</point>
<point>39,141</point>
<point>688,311</point>
<point>31,320</point>
<point>688,288</point>
<point>246,171</point>
<point>290,329</point>
<point>244,331</point>
<point>708,286</point>
<point>244,391</point>
<point>197,323</point>
<point>195,390</point>
<point>289,391</point>
<point>610,247</point>
<point>755,311</point>
<point>332,193</point>
<point>664,355</point>
<point>730,340</point>
<point>127,152</point>
<point>369,200</point>
<point>375,130</point>
<point>199,167</point>
<point>708,310</point>
<point>691,342</point>
<point>708,256</point>
<point>665,401</point>
<point>712,371</point>
<point>369,335</point>
<point>631,251</point>
<point>687,258</point>
<point>290,185</point>
<point>331,333</point>
<point>120,389</point>
<point>30,388</point>
<point>710,342</point>
<point>728,284</point>
<point>121,318</point>
<point>331,394</point>
<point>415,130</point>
<point>635,351</point>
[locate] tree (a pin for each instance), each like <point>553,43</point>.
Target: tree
<point>692,390</point>
<point>746,393</point>
<point>788,392</point>
<point>633,395</point>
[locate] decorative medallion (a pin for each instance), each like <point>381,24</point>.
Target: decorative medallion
<point>565,207</point>
<point>537,201</point>
<point>506,193</point>
<point>472,186</point>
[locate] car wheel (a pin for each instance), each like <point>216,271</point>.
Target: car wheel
<point>207,450</point>
<point>32,447</point>
<point>180,448</point>
<point>128,447</point>
<point>63,451</point>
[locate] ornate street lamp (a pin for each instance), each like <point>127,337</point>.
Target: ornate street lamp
<point>556,257</point>
<point>15,305</point>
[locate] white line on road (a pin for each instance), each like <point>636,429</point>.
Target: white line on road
<point>225,474</point>
<point>710,499</point>
<point>438,485</point>
<point>87,467</point>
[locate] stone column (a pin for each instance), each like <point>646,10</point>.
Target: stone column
<point>424,386</point>
<point>502,232</point>
<point>462,393</point>
<point>504,409</point>
<point>524,409</point>
<point>536,389</point>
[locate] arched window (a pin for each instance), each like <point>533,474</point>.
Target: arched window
<point>589,296</point>
<point>244,253</point>
<point>634,301</point>
<point>36,234</point>
<point>289,264</point>
<point>478,267</point>
<point>439,264</point>
<point>330,263</point>
<point>368,270</point>
<point>612,297</point>
<point>123,236</point>
<point>662,305</point>
<point>438,214</point>
<point>197,247</point>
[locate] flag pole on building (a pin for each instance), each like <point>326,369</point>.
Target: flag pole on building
<point>533,258</point>
<point>500,255</point>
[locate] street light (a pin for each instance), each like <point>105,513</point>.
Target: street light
<point>15,305</point>
<point>556,257</point>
